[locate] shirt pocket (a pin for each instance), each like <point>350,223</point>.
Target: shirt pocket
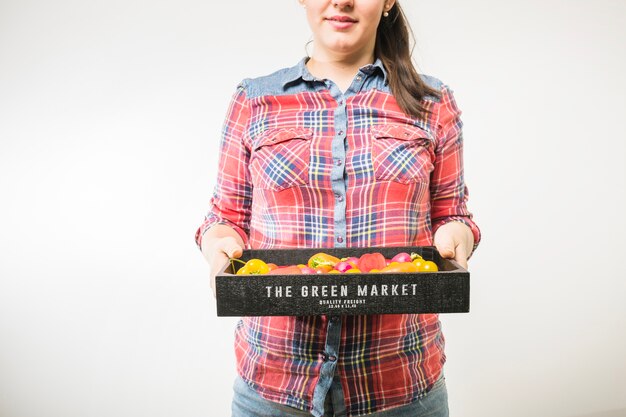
<point>280,158</point>
<point>402,153</point>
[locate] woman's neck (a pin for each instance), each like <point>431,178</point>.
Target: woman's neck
<point>339,70</point>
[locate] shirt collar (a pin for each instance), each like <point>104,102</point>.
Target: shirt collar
<point>300,71</point>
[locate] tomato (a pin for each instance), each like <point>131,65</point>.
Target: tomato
<point>428,266</point>
<point>418,262</point>
<point>371,261</point>
<point>257,266</point>
<point>272,266</point>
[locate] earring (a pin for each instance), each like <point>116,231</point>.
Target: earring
<point>386,14</point>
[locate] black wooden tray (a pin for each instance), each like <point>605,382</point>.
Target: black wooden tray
<point>445,291</point>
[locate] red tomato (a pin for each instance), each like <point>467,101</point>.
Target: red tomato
<point>371,261</point>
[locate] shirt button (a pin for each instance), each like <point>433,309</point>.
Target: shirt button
<point>332,358</point>
<point>339,197</point>
<point>341,102</point>
<point>340,133</point>
<point>358,78</point>
<point>338,162</point>
<point>340,239</point>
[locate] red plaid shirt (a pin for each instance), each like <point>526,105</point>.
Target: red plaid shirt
<point>303,164</point>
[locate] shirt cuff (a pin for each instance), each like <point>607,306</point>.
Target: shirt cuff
<point>210,221</point>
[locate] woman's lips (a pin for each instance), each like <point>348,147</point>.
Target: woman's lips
<point>341,22</point>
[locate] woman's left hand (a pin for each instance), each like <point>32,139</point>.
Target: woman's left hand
<point>455,240</point>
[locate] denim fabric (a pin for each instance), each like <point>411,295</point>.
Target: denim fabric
<point>285,81</point>
<point>247,403</point>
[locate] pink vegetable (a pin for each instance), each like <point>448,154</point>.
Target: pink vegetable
<point>343,266</point>
<point>401,257</point>
<point>352,260</point>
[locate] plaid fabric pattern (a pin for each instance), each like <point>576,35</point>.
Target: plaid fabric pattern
<point>400,179</point>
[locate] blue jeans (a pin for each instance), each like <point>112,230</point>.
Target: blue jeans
<point>247,403</point>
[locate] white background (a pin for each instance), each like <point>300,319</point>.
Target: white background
<point>110,113</point>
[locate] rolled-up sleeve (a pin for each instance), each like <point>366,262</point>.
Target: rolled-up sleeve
<point>448,191</point>
<point>232,196</point>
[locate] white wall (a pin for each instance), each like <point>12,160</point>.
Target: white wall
<point>109,119</point>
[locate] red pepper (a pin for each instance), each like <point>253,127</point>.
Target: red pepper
<point>369,261</point>
<point>323,259</point>
<point>286,270</point>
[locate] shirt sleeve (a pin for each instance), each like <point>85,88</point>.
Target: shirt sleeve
<point>232,196</point>
<point>448,191</point>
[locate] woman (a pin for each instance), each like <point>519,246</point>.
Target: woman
<point>351,147</point>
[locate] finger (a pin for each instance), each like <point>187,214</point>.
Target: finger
<point>461,255</point>
<point>234,252</point>
<point>445,246</point>
<point>231,248</point>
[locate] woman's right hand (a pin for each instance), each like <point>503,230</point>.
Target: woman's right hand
<point>218,250</point>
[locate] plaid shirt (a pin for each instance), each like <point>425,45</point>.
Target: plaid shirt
<point>303,164</point>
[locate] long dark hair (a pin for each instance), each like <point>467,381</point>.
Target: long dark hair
<point>393,49</point>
